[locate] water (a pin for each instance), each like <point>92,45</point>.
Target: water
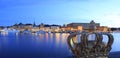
<point>48,45</point>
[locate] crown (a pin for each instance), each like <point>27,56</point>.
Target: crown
<point>90,44</point>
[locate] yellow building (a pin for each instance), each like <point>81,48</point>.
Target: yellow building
<point>103,28</point>
<point>28,26</point>
<point>80,28</point>
<point>83,26</point>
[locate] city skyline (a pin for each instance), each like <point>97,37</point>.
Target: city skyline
<point>105,12</point>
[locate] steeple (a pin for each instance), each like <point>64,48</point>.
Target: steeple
<point>34,23</point>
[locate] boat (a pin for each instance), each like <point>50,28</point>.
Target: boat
<point>4,31</point>
<point>27,32</point>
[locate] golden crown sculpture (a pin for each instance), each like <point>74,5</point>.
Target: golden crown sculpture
<point>85,48</point>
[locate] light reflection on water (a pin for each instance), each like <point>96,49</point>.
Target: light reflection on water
<point>41,45</point>
<point>116,44</point>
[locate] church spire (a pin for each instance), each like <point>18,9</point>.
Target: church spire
<point>34,23</point>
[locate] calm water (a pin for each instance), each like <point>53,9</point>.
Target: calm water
<point>48,45</point>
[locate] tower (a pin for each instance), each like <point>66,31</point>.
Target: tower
<point>92,26</point>
<point>34,23</point>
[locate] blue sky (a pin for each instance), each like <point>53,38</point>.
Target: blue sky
<point>105,12</point>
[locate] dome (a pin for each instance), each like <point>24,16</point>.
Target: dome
<point>92,22</point>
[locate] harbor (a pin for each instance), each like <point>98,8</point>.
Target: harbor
<point>68,28</point>
<point>25,41</point>
<point>47,45</point>
<point>59,29</point>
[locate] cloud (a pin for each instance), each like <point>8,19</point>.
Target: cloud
<point>111,19</point>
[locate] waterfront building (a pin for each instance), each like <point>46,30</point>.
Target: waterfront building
<point>23,27</point>
<point>35,29</point>
<point>41,26</point>
<point>55,28</point>
<point>84,26</point>
<point>44,27</point>
<point>19,26</point>
<point>63,29</point>
<point>74,28</point>
<point>28,26</point>
<point>15,26</point>
<point>92,26</point>
<point>103,28</point>
<point>80,28</point>
<point>47,28</point>
<point>1,27</point>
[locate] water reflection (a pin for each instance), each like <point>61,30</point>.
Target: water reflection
<point>42,45</point>
<point>116,44</point>
<point>57,38</point>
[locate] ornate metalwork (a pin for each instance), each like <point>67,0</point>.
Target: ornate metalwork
<point>85,48</point>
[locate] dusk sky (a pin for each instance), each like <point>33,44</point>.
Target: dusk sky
<point>105,12</point>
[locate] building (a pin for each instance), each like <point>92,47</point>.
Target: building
<point>79,28</point>
<point>47,28</point>
<point>74,27</point>
<point>41,26</point>
<point>35,27</point>
<point>2,27</point>
<point>83,26</point>
<point>19,26</point>
<point>55,28</point>
<point>103,28</point>
<point>28,26</point>
<point>23,27</point>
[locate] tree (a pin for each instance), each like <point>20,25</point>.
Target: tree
<point>113,29</point>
